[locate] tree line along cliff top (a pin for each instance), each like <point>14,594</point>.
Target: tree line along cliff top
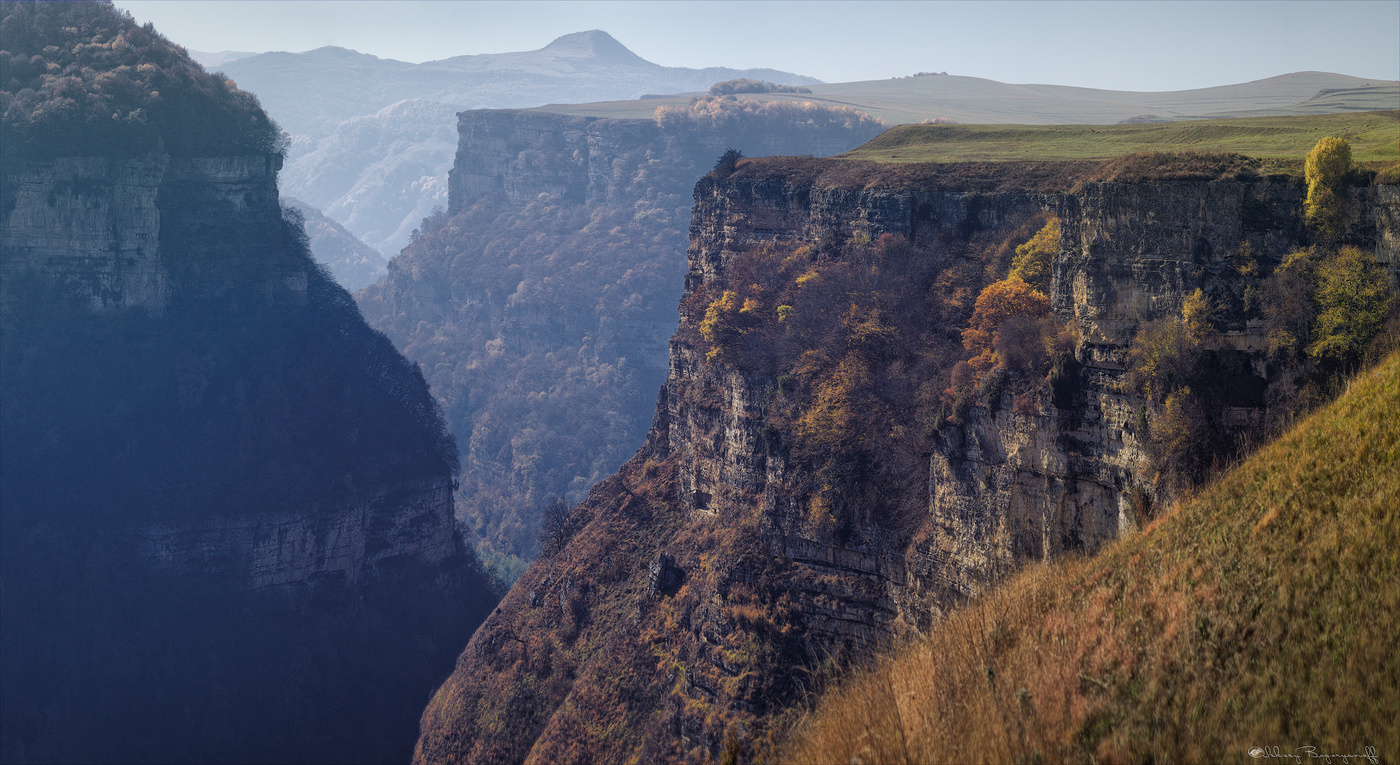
<point>85,79</point>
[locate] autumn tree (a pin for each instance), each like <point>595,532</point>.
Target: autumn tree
<point>1325,170</point>
<point>1000,301</point>
<point>1353,298</point>
<point>554,522</point>
<point>1162,358</point>
<point>1180,441</point>
<point>1034,258</point>
<point>1195,312</point>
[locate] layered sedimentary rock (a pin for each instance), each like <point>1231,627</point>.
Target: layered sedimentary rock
<point>541,302</point>
<point>696,581</point>
<point>523,154</point>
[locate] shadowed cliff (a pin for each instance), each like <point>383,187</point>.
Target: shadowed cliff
<point>226,501</point>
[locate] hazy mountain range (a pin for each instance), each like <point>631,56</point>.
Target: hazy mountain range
<point>372,138</point>
<point>311,93</point>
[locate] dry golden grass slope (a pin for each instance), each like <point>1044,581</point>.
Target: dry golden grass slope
<point>1263,613</point>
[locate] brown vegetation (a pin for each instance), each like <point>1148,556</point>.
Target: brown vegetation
<point>971,177</point>
<point>758,119</point>
<point>1258,614</point>
<point>743,85</point>
<point>1177,166</point>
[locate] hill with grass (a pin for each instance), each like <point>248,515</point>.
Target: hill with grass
<point>1280,142</point>
<point>1257,614</point>
<point>974,100</point>
<point>372,138</point>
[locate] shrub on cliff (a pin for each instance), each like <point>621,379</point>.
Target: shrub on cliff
<point>1325,170</point>
<point>1007,314</point>
<point>1162,358</point>
<point>727,162</point>
<point>1354,297</point>
<point>1323,308</point>
<point>84,79</point>
<point>1035,257</point>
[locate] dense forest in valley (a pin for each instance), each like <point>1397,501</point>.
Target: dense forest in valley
<point>542,325</point>
<point>142,434</point>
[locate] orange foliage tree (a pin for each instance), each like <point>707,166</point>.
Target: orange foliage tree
<point>1000,301</point>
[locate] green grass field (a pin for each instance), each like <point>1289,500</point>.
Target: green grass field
<point>973,100</point>
<point>1281,142</point>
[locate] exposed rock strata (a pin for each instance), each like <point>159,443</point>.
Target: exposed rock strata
<point>540,305</point>
<point>710,492</point>
<point>523,154</point>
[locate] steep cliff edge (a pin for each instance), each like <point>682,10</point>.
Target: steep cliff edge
<point>804,491</point>
<point>540,303</point>
<point>227,502</point>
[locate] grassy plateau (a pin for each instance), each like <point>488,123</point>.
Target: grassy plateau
<point>1280,142</point>
<point>974,100</point>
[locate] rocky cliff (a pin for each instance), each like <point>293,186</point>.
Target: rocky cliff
<point>154,235</point>
<point>187,390</point>
<point>783,513</point>
<point>523,154</point>
<point>540,303</point>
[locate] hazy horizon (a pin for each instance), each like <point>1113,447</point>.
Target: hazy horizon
<point>1144,46</point>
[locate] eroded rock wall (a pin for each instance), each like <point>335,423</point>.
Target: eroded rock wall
<point>714,498</point>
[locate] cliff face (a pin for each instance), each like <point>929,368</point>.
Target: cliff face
<point>143,235</point>
<point>523,154</point>
<point>708,580</point>
<point>541,302</point>
<point>194,413</point>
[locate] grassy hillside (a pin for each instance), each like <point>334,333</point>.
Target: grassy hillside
<point>980,101</point>
<point>1285,140</point>
<point>1261,613</point>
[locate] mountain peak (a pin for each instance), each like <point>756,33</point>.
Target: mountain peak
<point>594,43</point>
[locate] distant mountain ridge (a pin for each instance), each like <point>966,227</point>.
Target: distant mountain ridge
<point>975,100</point>
<point>311,93</point>
<point>210,60</point>
<point>372,138</point>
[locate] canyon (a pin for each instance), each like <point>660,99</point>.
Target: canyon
<point>540,301</point>
<point>700,593</point>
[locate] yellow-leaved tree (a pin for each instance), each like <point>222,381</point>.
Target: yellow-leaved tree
<point>1036,256</point>
<point>1353,297</point>
<point>1325,170</point>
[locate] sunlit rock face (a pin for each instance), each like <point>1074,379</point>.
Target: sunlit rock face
<point>591,658</point>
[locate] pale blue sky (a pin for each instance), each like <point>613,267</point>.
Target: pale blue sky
<point>1122,44</point>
